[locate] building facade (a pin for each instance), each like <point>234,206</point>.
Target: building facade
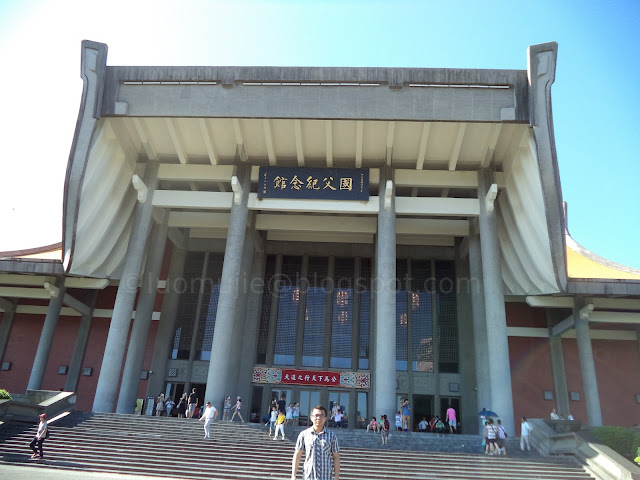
<point>326,235</point>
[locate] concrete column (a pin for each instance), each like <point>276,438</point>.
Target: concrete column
<point>468,370</point>
<point>5,326</point>
<point>46,338</point>
<point>252,323</point>
<point>480,340</point>
<point>384,374</point>
<point>557,367</point>
<point>496,319</point>
<point>167,323</point>
<point>80,346</point>
<point>587,365</point>
<point>144,311</point>
<point>107,387</point>
<point>239,328</point>
<point>220,376</point>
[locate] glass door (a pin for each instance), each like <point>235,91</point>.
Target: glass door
<point>339,402</point>
<point>308,400</point>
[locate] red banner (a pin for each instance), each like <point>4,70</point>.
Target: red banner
<point>311,377</point>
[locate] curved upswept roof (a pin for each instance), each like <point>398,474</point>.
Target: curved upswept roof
<point>584,264</point>
<point>46,252</point>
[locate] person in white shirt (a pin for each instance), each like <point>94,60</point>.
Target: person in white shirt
<point>168,405</point>
<point>525,428</point>
<point>554,415</point>
<point>422,426</point>
<point>273,419</point>
<point>210,414</point>
<point>337,419</point>
<point>39,438</point>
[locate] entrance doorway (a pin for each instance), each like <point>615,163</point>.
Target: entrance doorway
<point>422,407</point>
<point>308,400</point>
<point>455,403</point>
<point>255,414</point>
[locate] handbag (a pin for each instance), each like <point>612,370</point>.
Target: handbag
<point>46,435</point>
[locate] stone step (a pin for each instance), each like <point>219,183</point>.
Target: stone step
<point>166,446</point>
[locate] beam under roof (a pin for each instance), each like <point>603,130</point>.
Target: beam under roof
<point>195,173</point>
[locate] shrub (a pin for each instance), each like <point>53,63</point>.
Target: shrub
<point>4,395</point>
<point>619,439</point>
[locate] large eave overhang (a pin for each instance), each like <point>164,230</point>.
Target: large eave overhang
<point>463,95</point>
<point>493,107</point>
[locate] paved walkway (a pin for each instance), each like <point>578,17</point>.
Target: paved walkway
<point>19,472</point>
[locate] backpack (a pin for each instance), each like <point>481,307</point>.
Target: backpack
<point>386,424</point>
<point>46,435</point>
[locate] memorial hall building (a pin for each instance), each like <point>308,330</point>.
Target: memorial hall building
<point>330,235</point>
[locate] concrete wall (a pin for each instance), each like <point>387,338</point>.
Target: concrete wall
<point>23,342</point>
<point>616,371</point>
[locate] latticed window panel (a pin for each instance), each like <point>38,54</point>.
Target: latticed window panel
<point>421,316</point>
<point>364,285</point>
<point>446,305</point>
<point>402,316</point>
<point>314,313</point>
<point>342,315</point>
<point>288,300</point>
<point>265,311</point>
<point>211,293</point>
<point>188,304</point>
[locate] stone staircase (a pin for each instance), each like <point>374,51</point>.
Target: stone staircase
<point>175,448</point>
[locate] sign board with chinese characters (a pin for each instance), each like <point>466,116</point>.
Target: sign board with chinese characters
<point>314,183</point>
<point>311,377</point>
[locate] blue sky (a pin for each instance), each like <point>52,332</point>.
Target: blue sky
<point>596,97</point>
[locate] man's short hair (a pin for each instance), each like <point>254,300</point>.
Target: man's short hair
<point>208,403</point>
<point>320,407</point>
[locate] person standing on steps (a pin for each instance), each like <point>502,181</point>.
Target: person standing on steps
<point>192,403</point>
<point>226,410</point>
<point>296,414</point>
<point>451,419</point>
<point>237,408</point>
<point>322,452</point>
<point>525,428</point>
<point>384,430</point>
<point>160,405</point>
<point>502,435</point>
<point>280,425</point>
<point>398,421</point>
<point>406,414</point>
<point>273,419</point>
<point>182,406</point>
<point>168,405</point>
<point>209,415</point>
<point>289,414</point>
<point>39,438</point>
